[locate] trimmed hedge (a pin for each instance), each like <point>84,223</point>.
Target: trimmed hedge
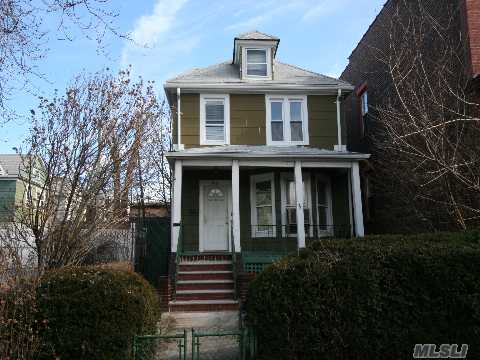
<point>369,298</point>
<point>94,313</point>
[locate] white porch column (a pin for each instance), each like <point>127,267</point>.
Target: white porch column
<point>176,204</point>
<point>236,204</point>
<point>357,200</point>
<point>299,199</point>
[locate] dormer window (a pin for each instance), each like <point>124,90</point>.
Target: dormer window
<point>257,62</point>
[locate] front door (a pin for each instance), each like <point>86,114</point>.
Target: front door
<point>214,215</point>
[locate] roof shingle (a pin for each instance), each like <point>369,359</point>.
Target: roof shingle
<point>228,73</point>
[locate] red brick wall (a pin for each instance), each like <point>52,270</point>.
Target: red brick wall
<point>472,8</point>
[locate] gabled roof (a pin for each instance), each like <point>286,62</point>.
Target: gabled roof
<point>10,164</point>
<point>226,74</point>
<point>256,35</point>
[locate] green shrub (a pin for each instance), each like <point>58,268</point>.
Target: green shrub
<point>94,313</point>
<point>369,298</point>
<point>18,321</point>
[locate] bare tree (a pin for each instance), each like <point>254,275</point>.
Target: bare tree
<point>83,161</point>
<point>24,34</point>
<point>427,148</point>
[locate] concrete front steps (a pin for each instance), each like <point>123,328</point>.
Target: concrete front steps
<point>204,283</point>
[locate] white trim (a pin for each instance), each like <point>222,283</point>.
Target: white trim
<point>273,157</point>
<point>236,204</point>
<point>357,200</point>
<point>284,178</point>
<point>179,120</point>
<point>299,199</point>
<point>339,146</point>
<point>238,44</point>
<point>227,163</point>
<point>176,204</point>
<point>256,86</point>
<point>254,179</point>
<point>327,180</point>
<point>226,113</point>
<point>286,99</point>
<point>350,209</point>
<point>268,59</point>
<point>201,214</point>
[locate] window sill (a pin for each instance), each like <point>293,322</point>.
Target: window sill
<point>287,143</point>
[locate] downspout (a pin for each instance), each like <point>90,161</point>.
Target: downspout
<point>179,122</point>
<point>339,146</point>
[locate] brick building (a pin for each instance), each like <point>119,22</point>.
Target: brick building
<point>459,23</point>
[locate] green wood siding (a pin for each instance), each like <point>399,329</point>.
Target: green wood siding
<point>322,121</point>
<point>190,120</point>
<point>190,207</point>
<point>190,203</point>
<point>8,190</point>
<point>340,203</point>
<point>247,119</point>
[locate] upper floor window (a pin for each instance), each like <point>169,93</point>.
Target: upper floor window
<point>257,64</point>
<point>214,119</point>
<point>287,120</point>
<point>364,102</point>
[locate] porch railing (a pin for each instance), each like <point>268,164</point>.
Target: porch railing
<point>234,260</point>
<point>178,255</point>
<point>282,239</point>
<point>263,244</point>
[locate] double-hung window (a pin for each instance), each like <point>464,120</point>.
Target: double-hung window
<point>257,62</point>
<point>287,122</point>
<point>214,119</point>
<point>262,200</point>
<point>289,205</point>
<point>324,205</point>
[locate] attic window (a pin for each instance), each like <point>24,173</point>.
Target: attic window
<point>257,62</point>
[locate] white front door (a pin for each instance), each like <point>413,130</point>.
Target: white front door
<point>214,215</point>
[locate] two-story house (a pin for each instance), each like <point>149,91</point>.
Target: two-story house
<point>260,169</point>
<point>17,184</point>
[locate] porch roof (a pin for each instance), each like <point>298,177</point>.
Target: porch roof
<point>264,151</point>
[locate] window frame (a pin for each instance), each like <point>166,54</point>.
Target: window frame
<point>307,197</point>
<point>364,102</point>
<point>327,181</point>
<point>204,98</point>
<point>268,58</point>
<point>254,179</point>
<point>286,99</point>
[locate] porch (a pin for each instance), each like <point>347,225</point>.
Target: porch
<point>251,203</point>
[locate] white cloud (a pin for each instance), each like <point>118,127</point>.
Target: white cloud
<point>321,9</point>
<point>269,10</point>
<point>158,39</point>
<point>149,28</point>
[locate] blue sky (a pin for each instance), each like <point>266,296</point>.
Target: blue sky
<point>171,36</point>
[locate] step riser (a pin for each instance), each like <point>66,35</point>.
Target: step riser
<point>206,267</point>
<point>204,307</point>
<point>190,258</point>
<point>204,296</point>
<point>207,286</point>
<point>213,276</point>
